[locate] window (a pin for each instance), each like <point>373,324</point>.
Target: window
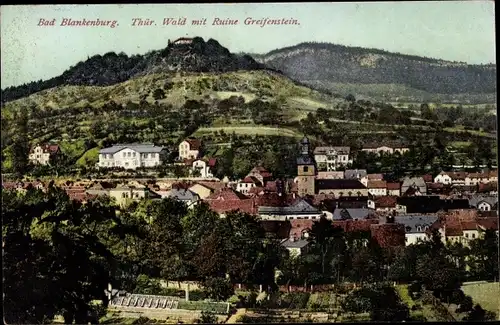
<point>129,154</point>
<point>123,195</point>
<point>124,154</point>
<point>305,169</point>
<point>473,235</point>
<point>466,235</point>
<point>133,154</point>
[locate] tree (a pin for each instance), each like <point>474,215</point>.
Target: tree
<point>158,94</point>
<point>328,242</point>
<point>208,318</point>
<point>219,289</point>
<point>56,253</point>
<point>479,314</point>
<point>20,145</point>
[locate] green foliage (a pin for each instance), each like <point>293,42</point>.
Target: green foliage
<point>218,289</point>
<point>208,318</point>
<point>56,252</point>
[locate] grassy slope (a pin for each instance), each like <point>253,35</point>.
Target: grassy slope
<point>485,294</point>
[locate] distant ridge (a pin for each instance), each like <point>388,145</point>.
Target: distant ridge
<point>325,64</point>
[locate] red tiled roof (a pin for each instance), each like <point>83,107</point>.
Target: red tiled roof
<point>375,177</point>
<point>261,171</point>
<point>212,162</point>
<point>453,231</point>
<point>488,223</point>
<point>256,190</point>
<point>189,162</point>
<point>252,180</point>
<point>458,175</point>
<point>213,185</point>
<point>388,234</point>
<point>385,202</point>
<point>355,225</point>
<point>393,186</point>
<point>427,178</point>
<point>270,199</point>
<point>377,184</point>
<point>435,185</point>
<point>488,187</point>
<point>47,148</point>
<point>478,175</point>
<point>194,144</point>
<point>493,173</point>
<point>224,206</point>
<point>181,185</point>
<point>226,194</point>
<point>299,226</point>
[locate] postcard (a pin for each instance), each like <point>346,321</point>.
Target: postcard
<point>249,163</point>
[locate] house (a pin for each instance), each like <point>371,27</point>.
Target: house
<point>493,175</point>
<point>484,203</point>
<point>489,188</point>
<point>457,178</point>
<point>389,148</point>
<point>244,186</point>
<point>186,196</point>
<point>330,175</point>
<point>205,188</point>
<point>443,178</point>
<point>383,203</point>
<point>331,158</point>
<point>189,149</point>
<point>261,174</point>
<point>300,209</point>
<point>125,194</point>
<point>296,246</point>
<point>416,227</point>
<point>377,187</point>
<point>205,167</point>
<point>477,178</point>
<point>44,154</point>
<point>416,183</point>
<point>358,174</point>
<point>352,214</point>
<point>100,188</point>
<point>276,229</point>
<point>226,199</point>
<point>428,204</point>
<point>131,156</point>
<point>341,187</point>
<point>393,188</point>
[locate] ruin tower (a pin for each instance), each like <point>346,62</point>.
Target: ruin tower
<point>306,170</point>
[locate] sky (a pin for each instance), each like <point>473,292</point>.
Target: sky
<point>451,30</point>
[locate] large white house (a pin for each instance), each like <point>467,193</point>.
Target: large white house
<point>330,158</point>
<point>131,156</point>
<point>42,154</point>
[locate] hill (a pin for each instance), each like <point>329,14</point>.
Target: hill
<point>370,72</point>
<point>112,68</point>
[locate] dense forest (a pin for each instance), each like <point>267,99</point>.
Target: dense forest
<point>333,63</point>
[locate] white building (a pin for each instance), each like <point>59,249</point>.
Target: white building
<point>205,167</point>
<point>442,178</point>
<point>131,156</point>
<point>189,149</point>
<point>42,154</point>
<point>244,186</point>
<point>330,158</point>
<point>377,187</point>
<point>416,227</point>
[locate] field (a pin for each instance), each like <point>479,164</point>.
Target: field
<point>485,294</point>
<point>249,130</point>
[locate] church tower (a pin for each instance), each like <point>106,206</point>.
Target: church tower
<point>306,170</point>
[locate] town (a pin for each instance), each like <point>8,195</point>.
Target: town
<point>339,165</point>
<point>458,209</point>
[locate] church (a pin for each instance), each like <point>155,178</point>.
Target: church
<point>308,184</point>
